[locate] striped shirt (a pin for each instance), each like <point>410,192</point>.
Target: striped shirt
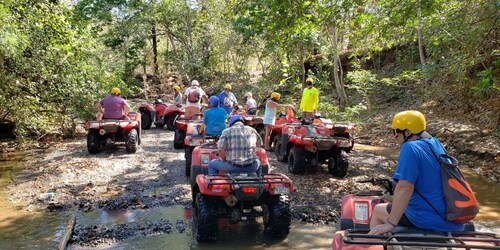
<point>240,143</point>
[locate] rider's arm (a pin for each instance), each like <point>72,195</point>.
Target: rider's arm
<point>285,105</point>
<point>222,154</point>
<point>202,129</point>
<point>402,195</point>
<point>98,106</point>
<point>272,104</point>
<point>179,100</point>
<point>126,109</point>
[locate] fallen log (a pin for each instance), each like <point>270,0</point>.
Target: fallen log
<point>67,233</point>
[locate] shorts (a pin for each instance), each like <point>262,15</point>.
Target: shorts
<point>404,221</point>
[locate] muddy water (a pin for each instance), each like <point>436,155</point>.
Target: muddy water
<point>486,191</point>
<point>21,229</point>
<point>249,235</point>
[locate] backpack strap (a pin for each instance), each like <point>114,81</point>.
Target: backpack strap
<point>423,197</point>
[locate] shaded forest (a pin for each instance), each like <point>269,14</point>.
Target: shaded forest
<point>57,58</point>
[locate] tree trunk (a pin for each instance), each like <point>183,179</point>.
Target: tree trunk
<point>303,65</point>
<point>419,35</point>
<point>338,85</point>
<point>260,62</point>
<point>155,49</point>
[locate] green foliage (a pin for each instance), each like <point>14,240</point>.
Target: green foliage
<point>58,77</point>
<point>488,83</point>
<point>56,60</point>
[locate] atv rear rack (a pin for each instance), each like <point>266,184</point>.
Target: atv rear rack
<point>241,180</point>
<point>455,240</point>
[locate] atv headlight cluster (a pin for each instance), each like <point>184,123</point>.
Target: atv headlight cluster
<point>281,190</point>
<point>94,125</point>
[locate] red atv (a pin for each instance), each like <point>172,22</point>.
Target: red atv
<point>355,219</point>
<point>105,132</point>
<point>203,154</point>
<point>285,118</point>
<point>159,114</point>
<point>192,139</point>
<point>181,129</point>
<point>357,208</point>
<point>255,122</point>
<point>240,197</point>
<point>313,142</point>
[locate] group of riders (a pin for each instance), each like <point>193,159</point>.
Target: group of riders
<point>417,174</point>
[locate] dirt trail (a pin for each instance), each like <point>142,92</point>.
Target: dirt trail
<point>67,178</point>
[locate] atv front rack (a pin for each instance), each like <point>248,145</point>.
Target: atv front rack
<point>454,240</point>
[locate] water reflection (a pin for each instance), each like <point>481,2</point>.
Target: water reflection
<point>20,229</point>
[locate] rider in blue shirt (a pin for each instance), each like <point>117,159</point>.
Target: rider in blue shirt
<point>214,118</point>
<point>418,174</point>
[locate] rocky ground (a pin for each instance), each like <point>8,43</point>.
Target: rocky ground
<point>67,178</point>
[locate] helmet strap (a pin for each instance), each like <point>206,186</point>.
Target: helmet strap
<point>405,137</point>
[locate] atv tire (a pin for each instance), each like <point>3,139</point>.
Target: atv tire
<point>170,121</point>
<point>132,141</point>
<point>296,161</point>
<point>188,154</point>
<point>206,218</point>
<point>179,136</point>
<point>93,139</point>
<point>277,217</point>
<point>277,149</point>
<point>338,165</point>
<point>146,120</point>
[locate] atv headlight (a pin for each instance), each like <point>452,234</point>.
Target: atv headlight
<point>343,143</point>
<point>94,125</point>
<point>205,159</point>
<point>281,190</point>
<point>308,141</point>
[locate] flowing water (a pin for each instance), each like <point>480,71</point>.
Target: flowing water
<point>21,229</point>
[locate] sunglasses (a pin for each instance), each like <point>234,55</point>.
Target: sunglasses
<point>395,132</point>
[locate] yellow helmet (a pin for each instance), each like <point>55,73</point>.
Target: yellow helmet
<point>116,91</point>
<point>275,95</point>
<point>309,79</point>
<point>228,87</point>
<point>176,87</point>
<point>411,119</point>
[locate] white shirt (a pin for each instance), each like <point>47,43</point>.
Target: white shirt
<point>251,103</point>
<point>190,104</point>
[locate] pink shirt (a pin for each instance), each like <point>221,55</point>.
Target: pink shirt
<point>113,107</point>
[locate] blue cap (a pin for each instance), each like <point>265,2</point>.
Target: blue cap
<point>235,118</point>
<point>214,101</point>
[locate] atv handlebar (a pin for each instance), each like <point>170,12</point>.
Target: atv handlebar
<point>387,184</point>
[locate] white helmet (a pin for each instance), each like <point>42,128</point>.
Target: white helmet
<point>195,83</point>
<point>248,94</point>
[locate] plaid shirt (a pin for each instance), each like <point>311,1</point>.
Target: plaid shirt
<point>240,143</point>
